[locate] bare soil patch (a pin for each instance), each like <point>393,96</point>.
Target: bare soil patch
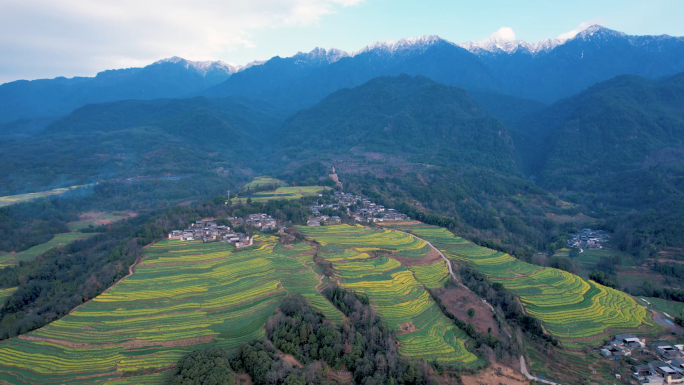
<point>400,223</point>
<point>342,376</point>
<point>458,300</point>
<point>290,358</point>
<point>664,260</point>
<point>407,328</point>
<point>98,217</point>
<point>657,317</point>
<point>428,259</point>
<point>496,374</point>
<point>672,253</point>
<point>420,177</point>
<point>90,215</point>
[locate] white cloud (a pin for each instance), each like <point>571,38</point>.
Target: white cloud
<point>84,36</point>
<point>581,27</point>
<point>505,33</point>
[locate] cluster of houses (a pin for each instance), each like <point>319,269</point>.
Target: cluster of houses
<point>317,219</point>
<point>661,372</point>
<point>668,369</point>
<point>588,239</point>
<point>369,211</point>
<point>622,346</point>
<point>208,231</point>
<point>365,211</point>
<point>264,222</point>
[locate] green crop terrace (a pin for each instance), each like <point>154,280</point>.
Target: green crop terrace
<point>577,311</point>
<point>397,293</point>
<point>182,297</point>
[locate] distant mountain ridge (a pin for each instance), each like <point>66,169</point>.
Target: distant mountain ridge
<point>544,71</point>
<point>168,78</point>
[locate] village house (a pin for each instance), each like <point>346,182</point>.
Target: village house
<point>209,231</point>
<point>669,374</point>
<point>667,351</point>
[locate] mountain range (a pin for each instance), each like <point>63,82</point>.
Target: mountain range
<point>546,71</point>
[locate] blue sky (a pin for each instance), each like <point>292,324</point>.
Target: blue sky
<point>352,28</point>
<point>45,38</point>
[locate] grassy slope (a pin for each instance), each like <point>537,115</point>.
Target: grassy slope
<point>265,180</point>
<point>12,199</point>
<point>295,192</point>
<point>33,252</point>
<point>4,293</point>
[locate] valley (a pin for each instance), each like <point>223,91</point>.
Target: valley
<point>415,212</point>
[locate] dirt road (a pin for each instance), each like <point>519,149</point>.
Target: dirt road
<point>523,370</point>
<point>448,262</point>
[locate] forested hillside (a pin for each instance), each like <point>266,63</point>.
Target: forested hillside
<point>617,147</point>
<point>414,117</point>
<point>169,78</point>
<point>135,138</point>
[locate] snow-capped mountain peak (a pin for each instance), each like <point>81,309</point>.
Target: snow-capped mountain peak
<point>320,55</point>
<point>202,67</point>
<point>499,45</point>
<point>420,44</point>
<point>598,31</point>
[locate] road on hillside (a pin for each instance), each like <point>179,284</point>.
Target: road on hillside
<point>659,318</point>
<point>448,261</point>
<point>523,370</point>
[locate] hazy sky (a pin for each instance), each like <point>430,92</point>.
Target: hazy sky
<point>49,38</point>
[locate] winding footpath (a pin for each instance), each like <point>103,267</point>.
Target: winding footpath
<point>523,370</point>
<point>451,270</point>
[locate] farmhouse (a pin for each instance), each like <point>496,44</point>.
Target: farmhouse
<point>208,231</point>
<point>628,340</point>
<point>667,351</point>
<point>658,373</point>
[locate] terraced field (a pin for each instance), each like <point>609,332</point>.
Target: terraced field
<point>33,252</point>
<point>265,180</point>
<point>396,292</point>
<point>673,309</point>
<point>182,297</point>
<point>295,192</point>
<point>12,199</point>
<point>432,276</point>
<point>4,293</point>
<point>579,312</point>
<point>6,260</point>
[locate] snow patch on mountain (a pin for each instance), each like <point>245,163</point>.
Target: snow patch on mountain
<point>499,45</point>
<point>599,31</point>
<point>414,45</point>
<point>320,56</point>
<point>203,67</point>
